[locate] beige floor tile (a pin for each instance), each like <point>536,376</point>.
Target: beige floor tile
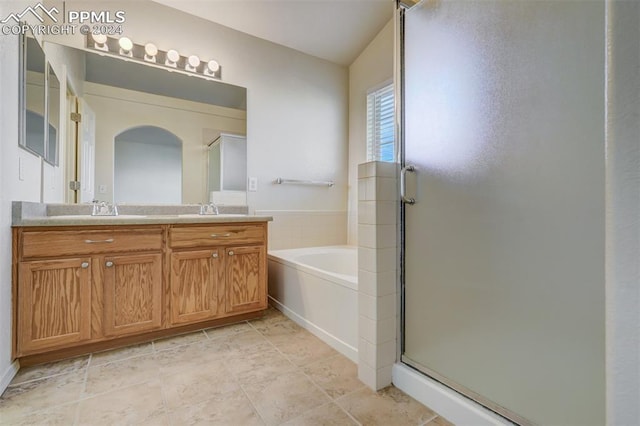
<point>180,340</point>
<point>120,374</point>
<point>99,358</point>
<point>262,363</point>
<point>51,369</point>
<point>58,416</point>
<point>243,374</point>
<point>390,406</point>
<point>185,357</point>
<point>244,340</point>
<point>25,398</point>
<point>326,415</point>
<point>270,317</point>
<point>227,330</point>
<point>284,397</point>
<point>281,331</point>
<point>304,349</point>
<point>337,375</point>
<point>133,405</point>
<point>197,384</point>
<point>226,409</point>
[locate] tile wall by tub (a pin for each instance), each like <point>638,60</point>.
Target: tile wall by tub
<point>377,270</point>
<point>305,228</point>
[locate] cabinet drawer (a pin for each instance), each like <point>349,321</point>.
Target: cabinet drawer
<point>64,243</point>
<point>198,236</point>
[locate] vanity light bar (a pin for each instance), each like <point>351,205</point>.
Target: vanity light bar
<point>124,47</point>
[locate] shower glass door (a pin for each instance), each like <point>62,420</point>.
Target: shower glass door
<point>504,247</point>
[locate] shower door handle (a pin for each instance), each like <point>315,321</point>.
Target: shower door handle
<point>403,185</point>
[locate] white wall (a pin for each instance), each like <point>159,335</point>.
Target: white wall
<point>373,67</point>
<point>11,188</point>
<point>296,103</point>
<point>623,213</point>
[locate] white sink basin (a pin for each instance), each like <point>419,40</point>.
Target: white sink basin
<point>88,216</point>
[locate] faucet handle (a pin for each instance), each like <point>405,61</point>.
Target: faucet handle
<point>208,209</point>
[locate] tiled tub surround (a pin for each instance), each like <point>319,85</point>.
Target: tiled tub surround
<point>377,273</point>
<point>305,228</point>
<point>317,287</point>
<point>262,372</point>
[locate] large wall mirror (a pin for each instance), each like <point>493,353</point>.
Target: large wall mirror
<point>145,132</point>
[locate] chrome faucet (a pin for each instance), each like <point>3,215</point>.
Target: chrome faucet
<point>209,209</point>
<point>104,209</point>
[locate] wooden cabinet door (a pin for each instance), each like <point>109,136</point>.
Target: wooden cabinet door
<point>246,282</point>
<point>195,281</point>
<point>54,304</point>
<point>132,293</point>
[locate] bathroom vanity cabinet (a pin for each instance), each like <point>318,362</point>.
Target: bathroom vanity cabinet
<point>82,288</point>
<point>217,271</point>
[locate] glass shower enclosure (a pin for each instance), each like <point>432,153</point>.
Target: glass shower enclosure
<point>503,152</point>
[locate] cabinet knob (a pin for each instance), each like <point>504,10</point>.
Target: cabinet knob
<point>84,265</point>
<point>109,264</point>
<point>230,252</point>
<point>215,255</point>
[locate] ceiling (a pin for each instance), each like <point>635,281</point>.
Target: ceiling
<point>335,30</point>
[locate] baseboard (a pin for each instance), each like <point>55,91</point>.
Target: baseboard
<point>337,344</point>
<point>444,401</point>
<point>8,375</point>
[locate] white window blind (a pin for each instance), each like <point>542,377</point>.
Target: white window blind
<point>380,124</point>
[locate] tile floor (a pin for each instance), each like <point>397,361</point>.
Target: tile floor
<point>268,371</point>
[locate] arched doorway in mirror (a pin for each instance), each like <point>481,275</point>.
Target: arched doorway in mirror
<point>147,166</point>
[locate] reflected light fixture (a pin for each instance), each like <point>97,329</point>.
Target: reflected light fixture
<point>126,46</point>
<point>172,58</point>
<point>100,41</point>
<point>192,63</point>
<point>211,68</point>
<point>150,52</point>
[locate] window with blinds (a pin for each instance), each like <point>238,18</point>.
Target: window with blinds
<point>381,137</point>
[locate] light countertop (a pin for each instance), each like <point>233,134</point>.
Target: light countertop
<point>37,214</point>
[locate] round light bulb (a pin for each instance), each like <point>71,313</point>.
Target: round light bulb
<point>99,38</point>
<point>150,49</point>
<point>194,61</point>
<point>173,55</point>
<point>213,66</point>
<point>125,44</point>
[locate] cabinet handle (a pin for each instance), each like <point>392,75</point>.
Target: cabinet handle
<point>109,264</point>
<point>228,234</point>
<point>230,252</point>
<point>84,265</point>
<point>110,240</point>
<point>215,255</point>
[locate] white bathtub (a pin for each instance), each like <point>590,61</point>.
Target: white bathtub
<point>317,287</point>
